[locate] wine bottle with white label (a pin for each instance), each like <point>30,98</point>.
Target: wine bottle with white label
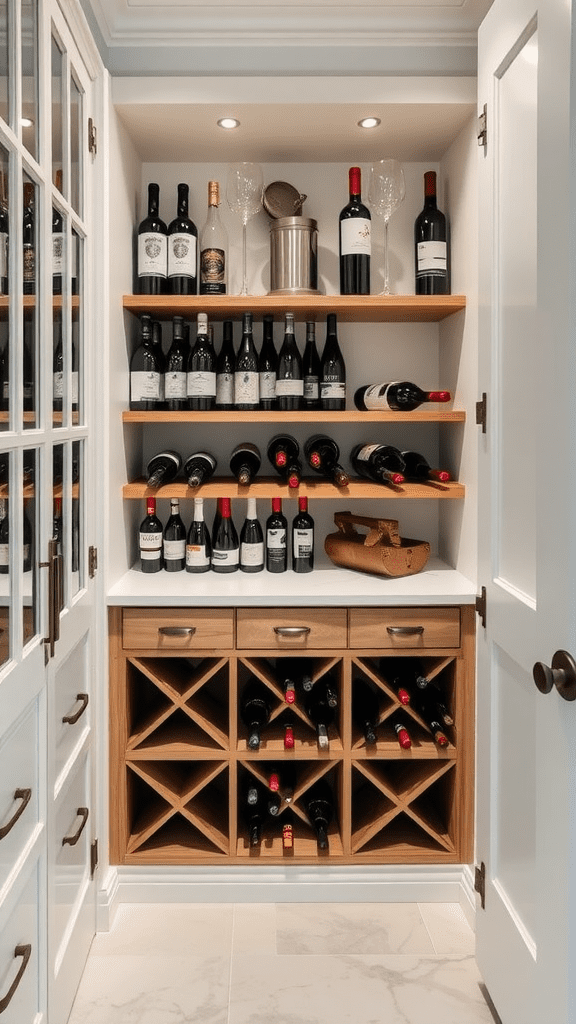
<point>268,366</point>
<point>152,248</point>
<point>201,379</point>
<point>289,380</point>
<point>174,540</point>
<point>144,371</point>
<point>332,370</point>
<point>431,244</point>
<point>182,249</point>
<point>198,546</point>
<point>399,395</point>
<point>251,541</point>
<point>246,378</point>
<point>225,365</point>
<point>176,370</point>
<point>213,247</point>
<point>150,539</point>
<point>225,547</point>
<point>355,240</point>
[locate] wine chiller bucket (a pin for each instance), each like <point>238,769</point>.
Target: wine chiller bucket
<point>293,255</point>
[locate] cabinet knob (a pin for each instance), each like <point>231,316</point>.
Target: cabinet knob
<point>562,675</point>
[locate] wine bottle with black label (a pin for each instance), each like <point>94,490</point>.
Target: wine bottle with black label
<point>332,370</point>
<point>355,240</point>
<point>150,539</point>
<point>182,249</point>
<point>174,540</point>
<point>302,538</point>
<point>152,247</point>
<point>198,546</point>
<point>277,539</point>
<point>430,244</point>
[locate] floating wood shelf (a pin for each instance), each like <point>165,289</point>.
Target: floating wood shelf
<point>272,487</point>
<point>302,416</point>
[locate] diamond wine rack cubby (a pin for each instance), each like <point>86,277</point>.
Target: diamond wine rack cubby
<point>181,763</point>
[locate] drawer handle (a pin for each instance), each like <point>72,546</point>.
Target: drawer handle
<point>23,795</point>
<point>292,631</point>
<point>72,840</point>
<point>72,719</point>
<point>176,630</point>
<point>405,630</point>
<point>25,952</point>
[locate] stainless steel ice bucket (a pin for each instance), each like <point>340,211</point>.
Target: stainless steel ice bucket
<point>293,255</point>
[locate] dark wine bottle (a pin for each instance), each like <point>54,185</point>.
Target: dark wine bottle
<point>163,468</point>
<point>145,371</point>
<point>355,246</point>
<point>160,361</point>
<point>430,244</point>
<point>288,723</point>
<point>225,547</point>
<point>225,365</point>
<point>276,539</point>
<point>199,467</point>
<point>320,810</point>
<point>268,366</point>
<point>245,462</point>
<point>175,374</point>
<point>311,369</point>
<point>174,540</point>
<point>182,249</point>
<point>289,380</point>
<point>303,538</point>
<point>152,248</point>
<point>150,539</point>
<point>283,451</point>
<point>246,380</point>
<point>201,379</point>
<point>4,235</point>
<point>402,735</point>
<point>381,462</point>
<point>251,541</point>
<point>287,679</point>
<point>28,367</point>
<point>402,396</point>
<point>198,546</point>
<point>283,781</point>
<point>322,454</point>
<point>418,468</point>
<point>58,261</point>
<point>332,370</point>
<point>29,241</point>
<point>255,708</point>
<point>4,538</point>
<point>254,811</point>
<point>320,713</point>
<point>428,712</point>
<point>365,709</point>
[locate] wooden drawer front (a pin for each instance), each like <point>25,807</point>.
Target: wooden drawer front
<point>284,629</point>
<point>398,628</point>
<point>177,629</point>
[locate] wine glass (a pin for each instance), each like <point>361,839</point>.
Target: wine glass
<point>244,194</point>
<point>386,191</point>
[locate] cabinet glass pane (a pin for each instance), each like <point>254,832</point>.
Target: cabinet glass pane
<point>59,532</point>
<point>77,516</point>
<point>76,149</point>
<point>30,270</point>
<point>4,299</point>
<point>29,14</point>
<point>5,83</point>
<point>77,362</point>
<point>58,368</point>
<point>57,109</point>
<point>5,458</point>
<point>29,513</point>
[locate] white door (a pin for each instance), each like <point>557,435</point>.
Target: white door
<point>526,833</point>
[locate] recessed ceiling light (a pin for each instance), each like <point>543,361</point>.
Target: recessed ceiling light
<point>228,122</point>
<point>369,122</point>
<point>26,122</point>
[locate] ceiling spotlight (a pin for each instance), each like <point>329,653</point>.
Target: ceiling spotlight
<point>369,122</point>
<point>228,122</point>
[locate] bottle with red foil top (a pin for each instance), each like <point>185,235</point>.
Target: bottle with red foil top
<point>287,834</point>
<point>225,546</point>
<point>322,454</point>
<point>355,240</point>
<point>381,462</point>
<point>150,539</point>
<point>402,734</point>
<point>401,396</point>
<point>288,732</point>
<point>418,468</point>
<point>283,453</point>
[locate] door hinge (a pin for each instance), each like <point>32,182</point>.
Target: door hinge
<point>92,561</point>
<point>92,136</point>
<point>483,127</point>
<point>481,409</point>
<point>480,605</point>
<point>93,857</point>
<point>480,883</point>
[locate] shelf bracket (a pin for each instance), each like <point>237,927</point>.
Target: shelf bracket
<point>480,605</point>
<point>480,883</point>
<point>481,409</point>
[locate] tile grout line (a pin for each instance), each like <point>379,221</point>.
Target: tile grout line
<point>428,932</point>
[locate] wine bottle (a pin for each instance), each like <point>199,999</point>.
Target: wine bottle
<point>283,781</point>
<point>287,679</point>
<point>199,467</point>
<point>428,713</point>
<point>255,708</point>
<point>251,541</point>
<point>4,538</point>
<point>402,734</point>
<point>332,370</point>
<point>288,723</point>
<point>402,396</point>
<point>225,547</point>
<point>417,468</point>
<point>163,468</point>
<point>365,709</point>
<point>287,832</point>
<point>29,241</point>
<point>322,454</point>
<point>144,370</point>
<point>4,235</point>
<point>150,539</point>
<point>283,451</point>
<point>276,539</point>
<point>320,713</point>
<point>225,365</point>
<point>311,369</point>
<point>289,380</point>
<point>58,368</point>
<point>58,263</point>
<point>381,462</point>
<point>320,810</point>
<point>246,379</point>
<point>160,361</point>
<point>182,249</point>
<point>176,372</point>
<point>268,366</point>
<point>405,672</point>
<point>245,462</point>
<point>198,546</point>
<point>28,367</point>
<point>152,247</point>
<point>355,246</point>
<point>430,244</point>
<point>174,540</point>
<point>213,247</point>
<point>201,379</point>
<point>254,811</point>
<point>303,538</point>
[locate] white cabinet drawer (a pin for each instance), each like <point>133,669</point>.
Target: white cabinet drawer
<point>71,852</point>
<point>18,789</point>
<point>20,954</point>
<point>72,711</point>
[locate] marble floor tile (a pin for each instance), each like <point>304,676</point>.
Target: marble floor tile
<point>356,990</point>
<point>254,928</point>
<point>448,928</point>
<point>153,990</point>
<point>334,928</point>
<point>168,929</point>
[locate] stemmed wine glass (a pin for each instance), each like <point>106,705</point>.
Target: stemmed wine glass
<point>244,194</point>
<point>386,191</point>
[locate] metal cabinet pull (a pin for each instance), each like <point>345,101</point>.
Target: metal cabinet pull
<point>292,631</point>
<point>72,840</point>
<point>25,952</point>
<point>23,795</point>
<point>72,719</point>
<point>54,593</point>
<point>404,630</point>
<point>176,630</point>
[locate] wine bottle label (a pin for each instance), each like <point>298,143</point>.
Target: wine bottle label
<point>224,389</point>
<point>201,383</point>
<point>28,265</point>
<point>230,556</point>
<point>175,382</point>
<point>431,259</point>
<point>374,396</point>
<point>182,255</point>
<point>151,543</point>
<point>252,554</point>
<point>332,389</point>
<point>302,543</point>
<point>268,384</point>
<point>3,554</point>
<point>213,271</point>
<point>57,252</point>
<point>366,451</point>
<point>293,386</point>
<point>3,254</point>
<point>197,555</point>
<point>152,254</point>
<point>311,388</point>
<point>74,386</point>
<point>57,384</point>
<point>174,548</point>
<point>276,540</point>
<point>355,236</point>
<point>246,388</point>
<point>144,384</point>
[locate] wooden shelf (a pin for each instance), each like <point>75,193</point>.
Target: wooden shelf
<point>302,416</point>
<point>348,308</point>
<point>29,303</point>
<point>272,487</point>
